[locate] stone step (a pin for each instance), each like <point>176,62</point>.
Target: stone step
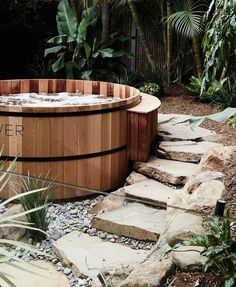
<point>187,151</point>
<point>134,220</point>
<point>167,171</point>
<point>88,255</point>
<point>170,132</point>
<point>174,119</point>
<point>150,191</point>
<point>37,273</point>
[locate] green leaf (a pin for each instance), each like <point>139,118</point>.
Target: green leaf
<point>63,39</point>
<point>66,20</point>
<point>53,50</point>
<point>87,50</point>
<point>69,70</point>
<point>220,117</point>
<point>85,75</point>
<point>59,63</point>
<point>104,53</point>
<point>79,64</point>
<point>5,278</point>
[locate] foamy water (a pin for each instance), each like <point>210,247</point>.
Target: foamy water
<point>55,100</point>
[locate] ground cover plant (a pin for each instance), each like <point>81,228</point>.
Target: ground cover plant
<point>219,244</point>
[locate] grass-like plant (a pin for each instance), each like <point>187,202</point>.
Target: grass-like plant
<point>232,121</point>
<point>13,221</point>
<point>219,245</point>
<point>30,201</point>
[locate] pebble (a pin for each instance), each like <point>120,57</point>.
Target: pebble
<point>67,271</point>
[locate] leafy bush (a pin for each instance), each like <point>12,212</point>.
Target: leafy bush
<point>219,245</point>
<point>222,92</point>
<point>232,121</point>
<point>38,219</point>
<point>150,88</point>
<point>79,49</point>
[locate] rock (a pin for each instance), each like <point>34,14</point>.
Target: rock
<point>181,132</point>
<point>88,255</point>
<point>188,151</point>
<point>112,201</point>
<point>67,271</point>
<point>149,273</point>
<point>200,191</point>
<point>168,171</point>
<point>173,119</point>
<point>14,233</point>
<point>150,191</point>
<point>186,259</point>
<point>134,220</point>
<point>114,277</point>
<point>216,158</point>
<point>135,177</point>
<point>180,226</point>
<point>46,275</point>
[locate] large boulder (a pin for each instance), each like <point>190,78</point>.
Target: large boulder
<point>188,258</point>
<point>13,233</point>
<point>180,226</point>
<point>216,158</point>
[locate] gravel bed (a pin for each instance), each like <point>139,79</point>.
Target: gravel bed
<point>65,218</point>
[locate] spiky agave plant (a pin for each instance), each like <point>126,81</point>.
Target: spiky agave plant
<point>13,221</point>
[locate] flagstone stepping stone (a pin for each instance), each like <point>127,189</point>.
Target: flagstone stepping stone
<point>88,255</point>
<point>174,119</point>
<point>46,275</point>
<point>150,191</point>
<point>134,220</point>
<point>168,171</point>
<point>181,132</point>
<point>189,151</point>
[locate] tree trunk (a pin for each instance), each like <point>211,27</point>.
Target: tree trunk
<point>141,35</point>
<point>169,37</point>
<point>197,56</point>
<point>105,20</point>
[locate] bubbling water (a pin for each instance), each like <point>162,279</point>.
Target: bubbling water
<point>55,100</point>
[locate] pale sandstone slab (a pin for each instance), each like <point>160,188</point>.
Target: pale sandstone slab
<point>189,151</point>
<point>168,171</point>
<point>112,201</point>
<point>150,191</point>
<point>88,255</point>
<point>188,258</point>
<point>46,276</point>
<point>134,220</point>
<point>135,177</point>
<point>181,132</point>
<point>173,119</point>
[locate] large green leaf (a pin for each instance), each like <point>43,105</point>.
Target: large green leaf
<point>87,50</point>
<point>62,39</point>
<point>104,53</point>
<point>86,75</point>
<point>220,117</point>
<point>66,19</point>
<point>53,50</point>
<point>59,63</point>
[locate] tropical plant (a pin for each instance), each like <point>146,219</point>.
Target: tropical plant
<point>38,218</point>
<point>219,43</point>
<point>79,48</point>
<point>187,21</point>
<point>150,88</point>
<point>219,245</point>
<point>132,6</point>
<point>13,221</point>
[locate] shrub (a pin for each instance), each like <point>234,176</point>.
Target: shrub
<point>219,245</point>
<point>38,219</point>
<point>150,88</point>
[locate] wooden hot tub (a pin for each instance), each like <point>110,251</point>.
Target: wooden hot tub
<point>80,145</point>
